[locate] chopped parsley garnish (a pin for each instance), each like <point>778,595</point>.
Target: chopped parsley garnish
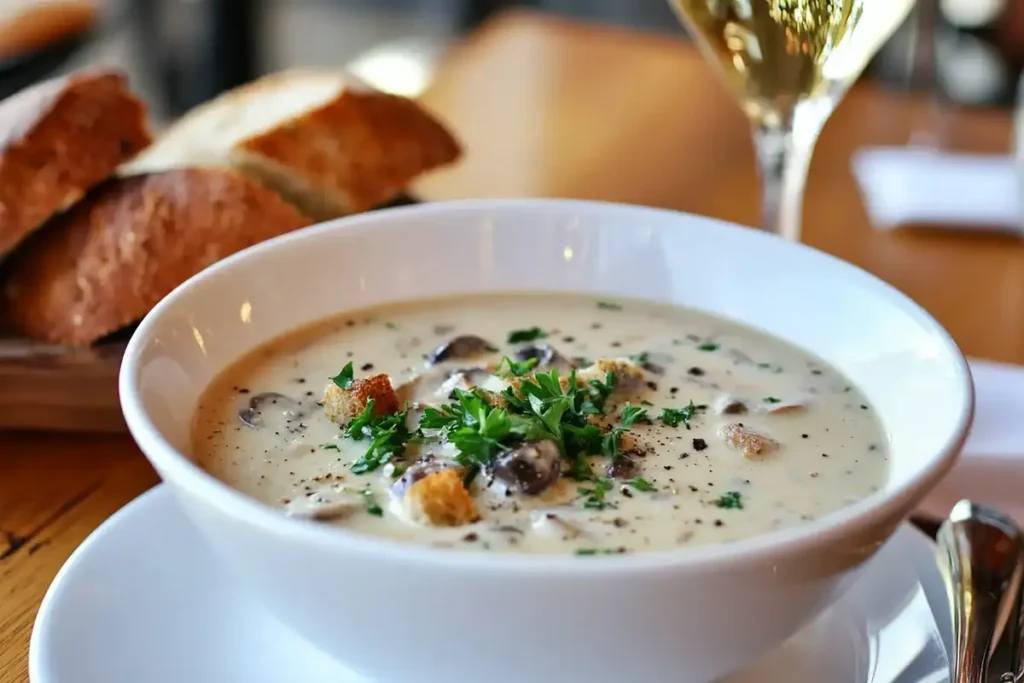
<point>330,447</point>
<point>609,306</point>
<point>709,346</point>
<point>593,498</point>
<point>371,504</point>
<point>599,551</point>
<point>531,334</point>
<point>640,358</point>
<point>539,409</point>
<point>630,416</point>
<point>344,378</point>
<point>389,435</point>
<point>730,500</point>
<point>641,484</point>
<point>673,417</point>
<point>516,369</point>
<point>772,399</point>
<point>472,425</point>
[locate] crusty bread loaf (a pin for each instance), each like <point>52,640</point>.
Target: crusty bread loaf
<point>113,256</point>
<point>58,139</point>
<point>326,142</point>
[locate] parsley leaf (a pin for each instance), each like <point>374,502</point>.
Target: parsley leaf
<point>344,378</point>
<point>609,306</point>
<point>528,335</point>
<point>371,504</point>
<point>709,346</point>
<point>517,369</point>
<point>475,427</point>
<point>730,500</point>
<point>600,551</point>
<point>772,399</point>
<point>641,358</point>
<point>630,416</point>
<point>360,426</point>
<point>641,484</point>
<point>674,416</point>
<point>593,498</point>
<point>388,432</point>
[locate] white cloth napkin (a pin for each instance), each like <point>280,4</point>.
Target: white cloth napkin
<point>991,467</point>
<point>928,186</point>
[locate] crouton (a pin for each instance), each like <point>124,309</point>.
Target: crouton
<point>629,375</point>
<point>440,499</point>
<point>752,444</point>
<point>342,405</point>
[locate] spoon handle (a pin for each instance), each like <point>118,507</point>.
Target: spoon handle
<point>980,552</point>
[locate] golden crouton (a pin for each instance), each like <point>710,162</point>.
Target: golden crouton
<point>440,499</point>
<point>751,443</point>
<point>342,405</point>
<point>629,375</point>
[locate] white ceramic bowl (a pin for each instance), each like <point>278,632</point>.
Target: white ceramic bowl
<point>396,612</point>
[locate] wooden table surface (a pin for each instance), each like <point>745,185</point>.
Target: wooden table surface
<point>550,108</point>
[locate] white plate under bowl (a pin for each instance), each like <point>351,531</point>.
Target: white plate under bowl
<point>142,601</point>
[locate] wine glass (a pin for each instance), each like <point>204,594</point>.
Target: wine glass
<point>789,62</point>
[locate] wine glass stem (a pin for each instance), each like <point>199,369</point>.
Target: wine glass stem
<point>784,148</point>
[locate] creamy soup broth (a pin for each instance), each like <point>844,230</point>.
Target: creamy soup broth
<point>758,435</point>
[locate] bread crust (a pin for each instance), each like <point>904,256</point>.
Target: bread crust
<point>106,262</point>
<point>361,149</point>
<point>327,142</point>
<point>60,138</point>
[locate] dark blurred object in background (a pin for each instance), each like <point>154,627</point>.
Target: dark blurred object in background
<point>968,52</point>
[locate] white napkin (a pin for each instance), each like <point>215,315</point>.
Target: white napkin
<point>991,467</point>
<point>927,186</point>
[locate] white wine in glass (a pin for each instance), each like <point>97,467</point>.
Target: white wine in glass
<point>789,62</point>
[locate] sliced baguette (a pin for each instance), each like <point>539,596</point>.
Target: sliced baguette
<point>112,257</point>
<point>325,141</point>
<point>58,139</point>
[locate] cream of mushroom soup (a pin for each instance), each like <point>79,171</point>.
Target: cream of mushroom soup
<point>541,424</point>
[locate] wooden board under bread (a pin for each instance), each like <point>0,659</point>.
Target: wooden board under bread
<point>57,388</point>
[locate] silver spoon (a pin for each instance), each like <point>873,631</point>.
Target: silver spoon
<point>981,554</point>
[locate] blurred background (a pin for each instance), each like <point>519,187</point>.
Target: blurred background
<point>181,52</point>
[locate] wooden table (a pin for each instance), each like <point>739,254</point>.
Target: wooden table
<point>549,108</point>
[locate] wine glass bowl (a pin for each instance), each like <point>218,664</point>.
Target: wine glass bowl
<point>789,62</point>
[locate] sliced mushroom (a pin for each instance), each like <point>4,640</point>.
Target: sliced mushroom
<point>314,506</point>
<point>751,443</point>
<point>730,405</point>
<point>271,406</point>
<point>531,468</point>
<point>551,524</point>
<point>462,347</point>
<point>545,354</point>
<point>781,407</point>
<point>622,467</point>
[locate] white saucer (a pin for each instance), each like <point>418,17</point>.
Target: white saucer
<point>142,601</point>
